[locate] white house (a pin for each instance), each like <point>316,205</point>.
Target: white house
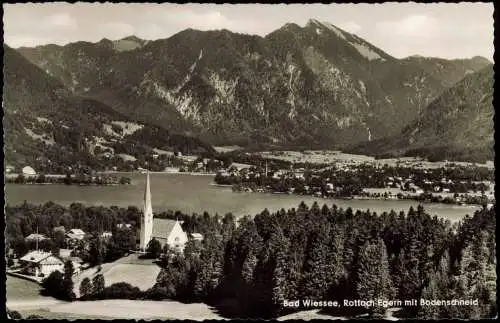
<point>197,236</point>
<point>40,263</point>
<point>106,235</point>
<point>28,171</point>
<point>75,234</point>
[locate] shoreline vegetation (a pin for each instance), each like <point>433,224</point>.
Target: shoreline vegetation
<point>457,199</point>
<point>458,185</point>
<point>308,252</point>
<point>68,179</point>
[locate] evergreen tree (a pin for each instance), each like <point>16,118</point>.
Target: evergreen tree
<point>280,279</point>
<point>85,288</point>
<point>211,266</point>
<point>154,249</point>
<point>98,286</point>
<point>410,275</point>
<point>316,277</point>
<point>335,266</point>
<point>374,281</point>
<point>67,284</point>
<point>53,285</point>
<point>477,279</point>
<point>97,251</point>
<point>430,292</point>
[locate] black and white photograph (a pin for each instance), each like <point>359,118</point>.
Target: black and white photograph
<point>167,161</point>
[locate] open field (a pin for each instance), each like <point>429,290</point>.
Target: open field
<point>135,309</point>
<point>21,289</point>
<point>139,273</point>
<point>333,156</point>
<point>48,315</point>
<point>309,315</point>
<point>316,156</point>
<point>225,149</point>
<point>22,294</point>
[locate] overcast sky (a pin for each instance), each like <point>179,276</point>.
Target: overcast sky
<point>448,30</point>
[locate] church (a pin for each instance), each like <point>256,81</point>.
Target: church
<point>166,231</point>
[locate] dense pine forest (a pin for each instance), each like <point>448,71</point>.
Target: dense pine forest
<point>251,266</point>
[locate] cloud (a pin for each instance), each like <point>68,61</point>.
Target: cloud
<point>410,26</point>
<point>60,20</point>
<point>27,40</point>
<point>179,18</point>
<point>117,29</point>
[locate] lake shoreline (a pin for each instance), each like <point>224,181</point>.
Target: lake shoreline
<point>162,172</point>
<point>196,194</point>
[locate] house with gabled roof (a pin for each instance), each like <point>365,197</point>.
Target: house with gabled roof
<point>40,263</point>
<point>36,237</point>
<point>75,234</point>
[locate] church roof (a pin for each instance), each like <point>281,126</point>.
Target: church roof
<point>162,227</point>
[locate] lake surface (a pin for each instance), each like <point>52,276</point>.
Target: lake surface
<point>192,193</point>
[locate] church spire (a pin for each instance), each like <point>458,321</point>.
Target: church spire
<point>147,217</point>
<point>147,196</point>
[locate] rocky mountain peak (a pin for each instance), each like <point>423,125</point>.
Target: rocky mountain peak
<point>298,85</point>
<point>133,38</point>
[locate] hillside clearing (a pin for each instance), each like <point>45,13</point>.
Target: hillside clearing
<point>136,272</point>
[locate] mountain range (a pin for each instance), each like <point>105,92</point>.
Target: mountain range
<point>315,86</point>
<point>458,125</point>
<point>47,125</point>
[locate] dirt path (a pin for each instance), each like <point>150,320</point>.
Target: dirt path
<point>310,315</point>
<point>32,304</point>
<point>134,309</point>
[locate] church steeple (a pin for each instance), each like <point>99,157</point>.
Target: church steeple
<point>147,217</point>
<point>148,209</point>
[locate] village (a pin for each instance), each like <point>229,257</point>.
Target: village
<point>459,185</point>
<point>41,256</point>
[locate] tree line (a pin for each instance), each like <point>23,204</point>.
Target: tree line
<point>78,179</point>
<point>319,253</point>
<point>335,254</point>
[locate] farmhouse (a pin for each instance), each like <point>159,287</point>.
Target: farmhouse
<point>39,263</point>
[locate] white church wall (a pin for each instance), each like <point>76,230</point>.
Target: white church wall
<point>177,237</point>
